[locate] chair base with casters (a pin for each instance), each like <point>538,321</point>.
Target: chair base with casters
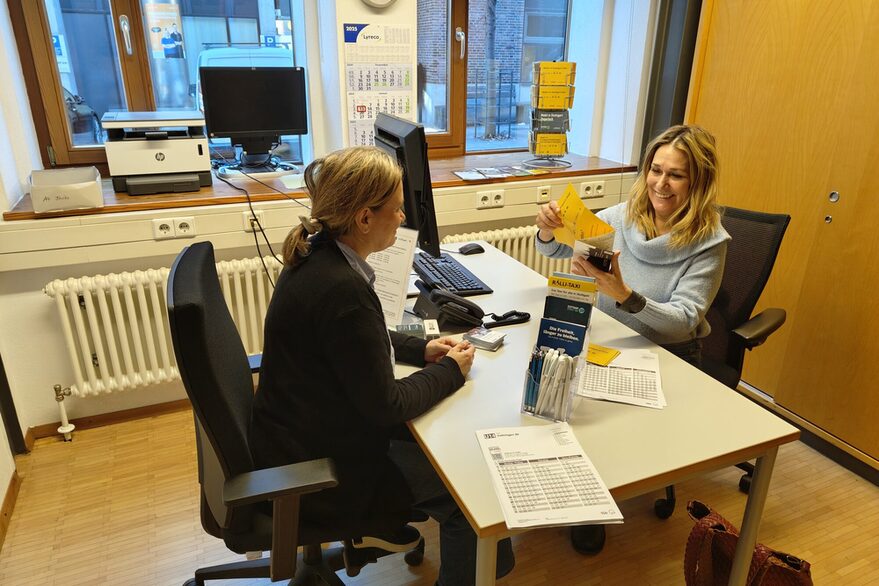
<point>315,565</point>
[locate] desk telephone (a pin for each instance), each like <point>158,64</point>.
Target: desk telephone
<point>451,311</point>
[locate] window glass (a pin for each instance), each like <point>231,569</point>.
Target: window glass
<point>433,64</point>
<point>183,37</point>
<point>506,38</point>
<point>88,65</point>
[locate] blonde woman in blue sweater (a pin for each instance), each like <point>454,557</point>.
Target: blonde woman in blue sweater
<point>669,254</point>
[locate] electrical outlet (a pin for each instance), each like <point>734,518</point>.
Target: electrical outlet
<point>247,219</point>
<point>592,189</point>
<point>184,227</point>
<point>497,198</point>
<point>163,229</point>
<point>543,194</point>
<point>483,200</point>
<point>490,199</point>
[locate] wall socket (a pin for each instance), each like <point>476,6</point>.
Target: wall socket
<point>166,228</point>
<point>490,199</point>
<point>163,229</point>
<point>543,193</point>
<point>247,219</point>
<point>592,189</point>
<point>184,227</point>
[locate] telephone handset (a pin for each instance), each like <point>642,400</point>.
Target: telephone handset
<point>450,310</point>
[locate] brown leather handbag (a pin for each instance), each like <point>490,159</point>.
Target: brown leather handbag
<point>711,548</point>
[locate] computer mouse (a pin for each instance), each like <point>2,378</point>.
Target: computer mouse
<point>471,248</point>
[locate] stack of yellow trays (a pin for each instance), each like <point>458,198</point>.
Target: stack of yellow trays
<point>552,93</point>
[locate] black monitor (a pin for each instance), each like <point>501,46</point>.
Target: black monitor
<point>254,107</point>
<point>405,141</point>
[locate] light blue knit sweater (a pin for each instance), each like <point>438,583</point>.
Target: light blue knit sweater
<point>679,283</point>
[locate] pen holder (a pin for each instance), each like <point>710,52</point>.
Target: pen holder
<point>550,385</point>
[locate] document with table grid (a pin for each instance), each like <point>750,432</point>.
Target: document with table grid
<point>543,478</point>
<point>632,377</point>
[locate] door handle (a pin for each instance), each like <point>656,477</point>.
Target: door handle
<point>126,32</point>
<point>461,37</point>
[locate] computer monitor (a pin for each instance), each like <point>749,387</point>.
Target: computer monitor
<point>405,141</point>
<point>254,107</point>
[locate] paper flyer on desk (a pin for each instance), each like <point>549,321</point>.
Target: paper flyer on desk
<point>632,377</point>
<point>543,478</point>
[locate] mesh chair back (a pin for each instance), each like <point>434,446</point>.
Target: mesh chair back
<point>216,374</point>
<point>756,238</point>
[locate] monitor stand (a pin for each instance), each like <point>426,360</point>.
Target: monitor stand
<point>266,168</point>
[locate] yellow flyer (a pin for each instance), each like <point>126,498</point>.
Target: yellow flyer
<point>579,221</point>
<point>601,355</point>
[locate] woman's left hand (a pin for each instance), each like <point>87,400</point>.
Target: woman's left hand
<point>438,348</point>
<point>611,283</point>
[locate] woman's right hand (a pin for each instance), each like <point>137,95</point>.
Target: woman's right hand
<point>463,353</point>
<point>548,220</point>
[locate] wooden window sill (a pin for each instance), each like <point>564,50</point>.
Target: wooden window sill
<point>220,193</point>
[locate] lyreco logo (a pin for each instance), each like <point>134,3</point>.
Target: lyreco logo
<point>160,156</point>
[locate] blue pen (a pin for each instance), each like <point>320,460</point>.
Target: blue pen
<point>532,374</point>
<point>538,371</point>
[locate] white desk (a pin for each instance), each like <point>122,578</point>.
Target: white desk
<point>706,425</point>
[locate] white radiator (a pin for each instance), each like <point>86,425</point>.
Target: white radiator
<point>518,243</point>
<point>116,325</point>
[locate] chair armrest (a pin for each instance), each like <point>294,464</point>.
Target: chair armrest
<point>271,483</point>
<point>255,361</point>
<point>755,331</point>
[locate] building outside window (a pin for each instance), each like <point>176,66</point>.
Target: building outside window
<point>503,39</point>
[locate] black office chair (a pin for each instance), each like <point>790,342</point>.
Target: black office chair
<point>234,496</point>
<point>756,238</point>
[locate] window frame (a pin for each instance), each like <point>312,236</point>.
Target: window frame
<point>31,27</point>
<point>453,142</point>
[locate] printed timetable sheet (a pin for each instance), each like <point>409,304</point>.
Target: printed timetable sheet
<point>632,377</point>
<point>543,478</point>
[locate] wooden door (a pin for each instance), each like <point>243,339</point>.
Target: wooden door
<point>831,371</point>
<point>768,80</point>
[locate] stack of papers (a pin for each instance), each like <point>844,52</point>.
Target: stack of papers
<point>543,478</point>
<point>632,377</point>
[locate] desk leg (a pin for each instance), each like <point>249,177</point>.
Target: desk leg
<point>486,560</point>
<point>751,521</point>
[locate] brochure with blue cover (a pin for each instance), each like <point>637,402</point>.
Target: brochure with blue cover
<point>570,298</point>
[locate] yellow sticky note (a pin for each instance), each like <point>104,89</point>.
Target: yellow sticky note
<point>579,221</point>
<point>601,355</point>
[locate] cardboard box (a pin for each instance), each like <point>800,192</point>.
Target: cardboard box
<point>73,188</point>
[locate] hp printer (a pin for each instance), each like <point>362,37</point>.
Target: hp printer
<point>157,152</point>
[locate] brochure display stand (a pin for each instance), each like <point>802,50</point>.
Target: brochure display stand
<point>554,366</point>
<point>552,94</point>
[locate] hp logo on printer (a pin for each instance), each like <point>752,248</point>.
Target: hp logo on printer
<point>160,156</point>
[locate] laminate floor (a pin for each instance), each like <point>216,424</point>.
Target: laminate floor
<point>119,505</point>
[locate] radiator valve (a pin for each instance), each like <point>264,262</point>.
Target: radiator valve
<point>61,393</point>
<point>66,427</point>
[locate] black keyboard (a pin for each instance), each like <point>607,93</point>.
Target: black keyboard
<point>447,273</point>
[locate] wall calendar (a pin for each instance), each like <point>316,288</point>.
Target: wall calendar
<point>379,76</point>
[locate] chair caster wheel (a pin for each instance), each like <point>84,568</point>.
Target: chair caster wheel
<point>745,483</point>
<point>663,508</point>
<point>415,556</point>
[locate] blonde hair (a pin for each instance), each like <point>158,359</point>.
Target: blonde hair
<point>340,184</point>
<point>699,217</point>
